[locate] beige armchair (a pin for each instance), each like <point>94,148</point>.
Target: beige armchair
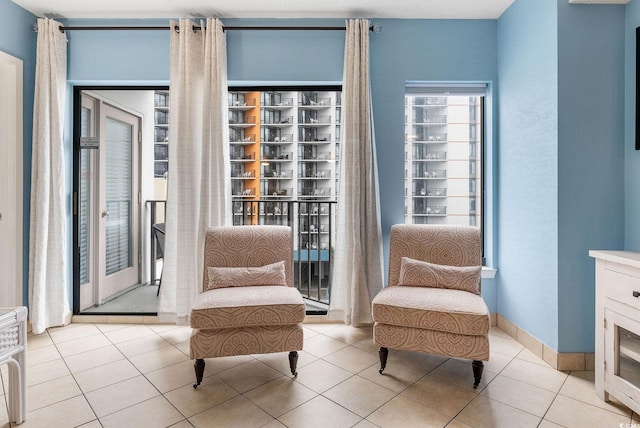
<point>248,304</point>
<point>432,302</point>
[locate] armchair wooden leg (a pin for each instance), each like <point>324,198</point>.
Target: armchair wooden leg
<point>293,362</point>
<point>383,353</point>
<point>199,368</point>
<point>477,366</point>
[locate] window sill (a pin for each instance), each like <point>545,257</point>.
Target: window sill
<point>488,272</point>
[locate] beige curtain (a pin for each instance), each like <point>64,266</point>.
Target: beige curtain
<point>358,270</point>
<point>198,194</point>
<point>48,295</point>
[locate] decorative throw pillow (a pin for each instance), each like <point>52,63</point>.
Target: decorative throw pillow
<point>222,277</point>
<point>424,274</point>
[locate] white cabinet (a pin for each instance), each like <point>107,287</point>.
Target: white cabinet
<point>618,326</point>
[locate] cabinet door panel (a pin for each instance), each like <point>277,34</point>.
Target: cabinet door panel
<point>622,357</point>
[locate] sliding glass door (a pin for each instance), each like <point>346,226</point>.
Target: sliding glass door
<point>108,235</point>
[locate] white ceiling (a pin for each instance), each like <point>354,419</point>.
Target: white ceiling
<point>419,9</point>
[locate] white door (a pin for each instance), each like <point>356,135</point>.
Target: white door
<point>108,202</point>
<point>118,202</point>
<point>11,196</point>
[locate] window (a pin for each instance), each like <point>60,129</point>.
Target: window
<point>161,133</point>
<point>443,153</point>
<point>284,145</point>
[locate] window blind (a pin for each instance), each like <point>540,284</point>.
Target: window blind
<point>460,89</point>
<point>85,199</point>
<point>118,196</point>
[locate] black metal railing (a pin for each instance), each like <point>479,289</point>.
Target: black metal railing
<point>313,225</point>
<point>157,212</point>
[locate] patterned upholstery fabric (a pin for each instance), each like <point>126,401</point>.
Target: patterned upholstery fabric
<point>222,277</point>
<point>252,319</point>
<point>443,245</point>
<point>439,309</point>
<point>245,341</point>
<point>440,321</point>
<point>244,246</point>
<point>417,273</point>
<point>431,342</point>
<point>247,307</point>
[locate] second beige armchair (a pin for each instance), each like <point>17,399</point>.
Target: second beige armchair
<point>432,302</point>
<point>248,304</point>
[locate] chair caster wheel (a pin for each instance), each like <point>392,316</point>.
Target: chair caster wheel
<point>380,371</point>
<point>195,385</point>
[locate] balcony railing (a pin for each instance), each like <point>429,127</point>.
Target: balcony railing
<point>313,226</point>
<point>275,137</point>
<point>279,120</point>
<point>157,211</point>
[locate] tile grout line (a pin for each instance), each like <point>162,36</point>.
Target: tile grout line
<point>142,374</point>
<point>484,388</point>
<point>321,394</point>
<point>72,376</point>
<point>584,402</point>
<point>100,332</point>
<point>553,401</point>
<point>351,376</point>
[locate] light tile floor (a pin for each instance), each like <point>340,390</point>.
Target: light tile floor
<point>123,375</point>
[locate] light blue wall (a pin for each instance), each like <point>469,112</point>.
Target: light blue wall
<point>419,50</point>
<point>590,159</point>
<point>449,50</point>
<point>427,50</point>
<point>560,163</point>
<point>142,57</point>
<point>528,168</point>
<point>19,40</point>
<point>632,157</point>
<point>118,57</point>
<point>285,56</point>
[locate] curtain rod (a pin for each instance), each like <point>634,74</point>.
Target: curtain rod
<point>376,28</point>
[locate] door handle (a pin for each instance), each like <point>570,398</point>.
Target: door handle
<point>104,214</point>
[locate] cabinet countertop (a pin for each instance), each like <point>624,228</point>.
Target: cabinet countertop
<point>630,258</point>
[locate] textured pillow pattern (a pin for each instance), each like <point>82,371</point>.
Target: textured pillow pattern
<point>239,246</point>
<point>451,245</point>
<point>223,277</point>
<point>424,274</point>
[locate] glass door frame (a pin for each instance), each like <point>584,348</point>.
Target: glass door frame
<point>77,111</point>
